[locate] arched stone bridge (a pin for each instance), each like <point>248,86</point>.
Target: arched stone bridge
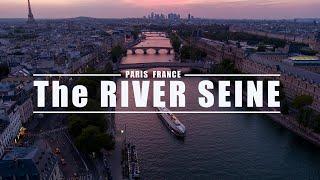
<point>160,34</point>
<point>172,65</point>
<point>145,49</point>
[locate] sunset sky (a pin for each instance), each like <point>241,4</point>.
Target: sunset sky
<point>268,9</point>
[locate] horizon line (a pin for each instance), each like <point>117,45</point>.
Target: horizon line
<point>139,17</point>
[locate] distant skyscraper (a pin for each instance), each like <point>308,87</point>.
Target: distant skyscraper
<point>30,15</point>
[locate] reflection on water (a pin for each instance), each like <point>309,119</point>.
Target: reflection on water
<point>217,146</point>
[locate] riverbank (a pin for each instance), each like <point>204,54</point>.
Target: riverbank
<point>116,158</point>
<point>289,122</point>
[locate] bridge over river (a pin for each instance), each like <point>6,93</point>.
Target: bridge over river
<point>145,49</point>
<point>172,65</point>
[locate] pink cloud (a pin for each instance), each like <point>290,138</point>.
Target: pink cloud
<point>150,3</point>
<point>139,8</point>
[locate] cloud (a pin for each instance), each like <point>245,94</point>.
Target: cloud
<point>139,8</point>
<point>150,3</point>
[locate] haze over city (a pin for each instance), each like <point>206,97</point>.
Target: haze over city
<point>229,9</point>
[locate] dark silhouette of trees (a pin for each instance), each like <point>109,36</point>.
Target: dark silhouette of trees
<point>317,123</point>
<point>4,70</point>
<point>192,53</point>
<point>117,52</point>
<point>92,140</point>
<point>89,130</point>
<point>176,43</point>
<point>225,67</point>
<point>225,35</point>
<point>301,103</point>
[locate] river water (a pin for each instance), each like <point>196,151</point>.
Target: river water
<point>217,146</point>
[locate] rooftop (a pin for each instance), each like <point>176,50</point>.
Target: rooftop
<point>27,161</point>
<point>19,169</point>
<point>20,153</point>
<point>288,69</point>
<point>4,87</point>
<point>3,125</point>
<point>7,105</point>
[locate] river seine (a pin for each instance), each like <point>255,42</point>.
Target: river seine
<point>216,146</point>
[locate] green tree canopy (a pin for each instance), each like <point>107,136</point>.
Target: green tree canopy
<point>117,52</point>
<point>91,85</point>
<point>108,69</point>
<point>89,130</point>
<point>261,48</point>
<point>302,101</point>
<point>308,51</point>
<point>4,70</point>
<point>226,66</point>
<point>317,123</point>
<point>185,52</point>
<point>135,33</point>
<point>176,43</point>
<point>76,124</point>
<point>92,140</point>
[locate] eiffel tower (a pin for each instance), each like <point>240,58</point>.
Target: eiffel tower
<point>30,15</point>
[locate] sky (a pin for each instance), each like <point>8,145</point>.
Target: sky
<point>226,9</point>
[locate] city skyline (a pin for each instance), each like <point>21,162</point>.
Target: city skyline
<point>228,9</point>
